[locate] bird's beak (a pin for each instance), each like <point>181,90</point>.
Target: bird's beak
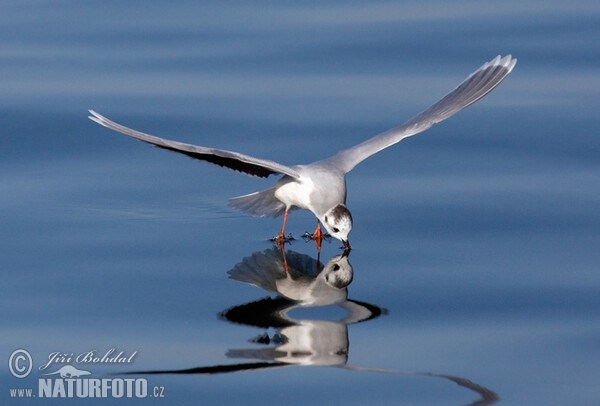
<point>346,245</point>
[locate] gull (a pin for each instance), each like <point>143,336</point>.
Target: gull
<point>320,187</point>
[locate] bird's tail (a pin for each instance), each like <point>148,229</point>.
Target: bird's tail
<point>259,204</point>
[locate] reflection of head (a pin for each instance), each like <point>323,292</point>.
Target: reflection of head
<point>338,272</point>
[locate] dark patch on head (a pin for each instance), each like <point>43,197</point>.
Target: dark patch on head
<point>340,211</point>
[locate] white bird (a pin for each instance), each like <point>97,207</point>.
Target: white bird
<point>321,186</point>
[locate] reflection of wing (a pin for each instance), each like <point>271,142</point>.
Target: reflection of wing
<point>360,311</point>
<point>271,312</point>
<point>263,313</point>
<point>232,160</point>
<point>487,396</point>
<point>473,88</point>
<point>264,268</point>
<point>261,269</point>
<point>216,369</point>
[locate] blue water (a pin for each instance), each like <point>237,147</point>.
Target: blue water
<point>476,245</point>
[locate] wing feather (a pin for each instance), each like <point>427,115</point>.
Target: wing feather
<point>473,88</point>
<point>232,160</point>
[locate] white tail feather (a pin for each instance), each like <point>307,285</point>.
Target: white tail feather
<point>259,204</point>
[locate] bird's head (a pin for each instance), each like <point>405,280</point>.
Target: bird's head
<point>338,223</point>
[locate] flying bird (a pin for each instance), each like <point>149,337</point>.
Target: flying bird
<point>321,186</point>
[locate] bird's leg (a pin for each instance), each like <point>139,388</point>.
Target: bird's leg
<point>318,260</point>
<point>318,236</point>
<point>281,237</point>
<point>285,264</point>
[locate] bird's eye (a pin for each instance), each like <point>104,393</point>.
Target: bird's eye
<point>336,230</point>
<point>336,267</point>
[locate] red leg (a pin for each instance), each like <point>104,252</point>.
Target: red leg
<point>318,259</point>
<point>285,264</point>
<point>281,237</point>
<point>318,236</point>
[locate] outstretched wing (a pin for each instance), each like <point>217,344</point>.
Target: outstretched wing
<point>473,88</point>
<point>232,160</point>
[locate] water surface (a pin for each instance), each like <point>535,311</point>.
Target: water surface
<point>475,245</point>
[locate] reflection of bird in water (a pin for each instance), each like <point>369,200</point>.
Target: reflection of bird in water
<point>305,283</point>
<point>296,276</point>
<point>301,342</point>
<point>321,186</point>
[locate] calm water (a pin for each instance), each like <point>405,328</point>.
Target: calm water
<point>475,268</point>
